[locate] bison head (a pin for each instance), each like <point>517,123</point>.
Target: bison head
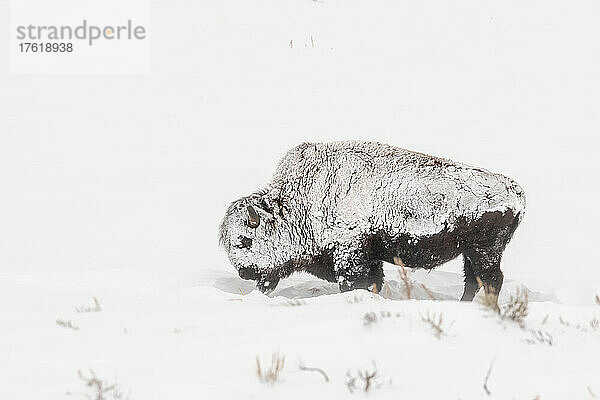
<point>257,241</point>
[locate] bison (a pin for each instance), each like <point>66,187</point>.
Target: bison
<point>339,210</point>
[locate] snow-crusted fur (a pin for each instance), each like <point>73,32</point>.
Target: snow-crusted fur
<point>337,210</point>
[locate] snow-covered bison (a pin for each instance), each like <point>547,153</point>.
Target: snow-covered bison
<point>338,210</point>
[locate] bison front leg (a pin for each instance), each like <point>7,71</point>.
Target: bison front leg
<point>471,284</point>
<point>483,252</point>
<point>484,270</point>
<point>267,283</point>
<point>356,270</point>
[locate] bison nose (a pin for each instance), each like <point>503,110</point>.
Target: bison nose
<point>247,273</point>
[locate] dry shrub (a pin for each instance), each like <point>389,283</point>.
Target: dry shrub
<point>593,324</point>
<point>563,321</point>
<point>436,323</point>
<point>516,309</point>
<point>487,378</point>
<point>66,324</point>
<point>386,292</point>
<point>541,337</point>
<point>489,300</point>
<point>371,317</point>
<point>354,299</point>
<point>373,289</point>
<point>303,367</point>
<point>363,379</point>
<point>270,373</point>
<point>428,291</point>
<point>408,285</point>
<point>101,389</point>
<point>93,308</point>
<point>295,303</point>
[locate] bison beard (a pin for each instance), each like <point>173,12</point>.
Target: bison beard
<point>339,210</point>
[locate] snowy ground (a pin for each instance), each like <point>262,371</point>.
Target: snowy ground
<point>162,339</point>
<point>112,186</point>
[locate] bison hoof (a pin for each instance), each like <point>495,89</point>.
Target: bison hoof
<point>267,284</point>
<point>371,286</point>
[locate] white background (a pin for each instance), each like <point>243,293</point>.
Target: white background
<point>118,170</point>
<point>120,181</point>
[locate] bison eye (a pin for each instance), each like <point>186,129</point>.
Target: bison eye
<point>244,243</point>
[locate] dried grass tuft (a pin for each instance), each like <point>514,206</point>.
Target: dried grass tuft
<point>93,308</point>
<point>489,300</point>
<point>408,285</point>
<point>295,303</point>
<point>540,337</point>
<point>270,373</point>
<point>66,324</point>
<point>429,292</point>
<point>102,390</point>
<point>436,323</point>
<point>364,380</point>
<point>516,309</point>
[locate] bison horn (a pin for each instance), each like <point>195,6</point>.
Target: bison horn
<point>253,218</point>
